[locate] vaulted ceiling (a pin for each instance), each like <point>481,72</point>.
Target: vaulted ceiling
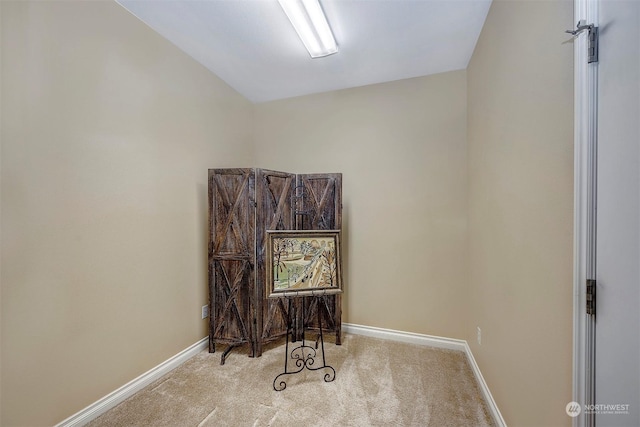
<point>251,45</point>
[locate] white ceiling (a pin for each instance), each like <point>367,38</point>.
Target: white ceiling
<point>251,45</point>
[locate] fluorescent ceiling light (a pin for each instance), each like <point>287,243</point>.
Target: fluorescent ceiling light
<point>312,27</point>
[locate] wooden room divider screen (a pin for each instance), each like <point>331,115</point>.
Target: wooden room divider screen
<point>243,204</point>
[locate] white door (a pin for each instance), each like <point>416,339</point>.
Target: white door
<point>617,319</point>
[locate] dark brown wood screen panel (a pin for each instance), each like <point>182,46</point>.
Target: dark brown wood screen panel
<point>243,204</point>
<point>274,212</point>
<point>231,256</point>
<point>322,208</point>
<point>321,200</point>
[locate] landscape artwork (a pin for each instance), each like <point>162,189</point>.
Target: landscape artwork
<point>303,263</point>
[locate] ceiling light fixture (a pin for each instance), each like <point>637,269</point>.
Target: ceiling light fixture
<point>312,27</point>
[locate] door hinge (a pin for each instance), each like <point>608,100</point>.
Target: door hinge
<point>591,296</point>
<point>593,39</point>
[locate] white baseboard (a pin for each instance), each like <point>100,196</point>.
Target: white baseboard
<point>98,408</point>
<point>406,337</point>
<point>433,341</point>
<point>493,408</point>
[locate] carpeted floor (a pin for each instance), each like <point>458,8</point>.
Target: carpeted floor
<point>377,383</point>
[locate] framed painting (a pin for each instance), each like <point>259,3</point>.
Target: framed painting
<point>303,263</point>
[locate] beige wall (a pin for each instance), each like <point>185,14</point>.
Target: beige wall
<point>520,137</point>
<point>107,134</point>
<point>401,147</point>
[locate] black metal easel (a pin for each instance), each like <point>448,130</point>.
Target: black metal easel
<point>303,356</point>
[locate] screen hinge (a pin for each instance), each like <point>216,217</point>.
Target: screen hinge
<point>591,297</point>
<point>594,38</point>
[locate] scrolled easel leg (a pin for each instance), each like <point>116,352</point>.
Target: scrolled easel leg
<point>304,357</point>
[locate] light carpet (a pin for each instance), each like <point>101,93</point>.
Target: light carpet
<point>377,383</point>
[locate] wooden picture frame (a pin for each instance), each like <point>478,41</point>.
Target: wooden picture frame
<point>303,263</point>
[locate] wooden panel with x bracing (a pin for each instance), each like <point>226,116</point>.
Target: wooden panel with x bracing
<point>275,212</point>
<point>322,204</point>
<point>243,204</point>
<point>231,258</point>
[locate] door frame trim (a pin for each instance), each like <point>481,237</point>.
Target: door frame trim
<point>585,198</point>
